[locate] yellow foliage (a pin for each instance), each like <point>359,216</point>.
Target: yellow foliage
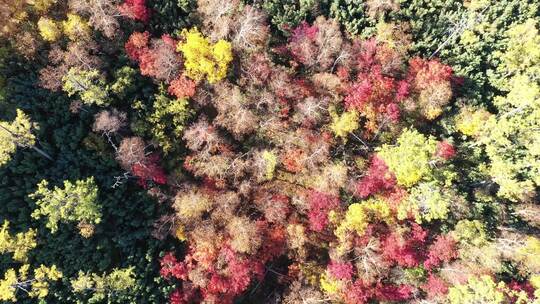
<point>470,233</point>
<point>7,289</point>
<point>359,215</point>
<point>49,29</point>
<point>75,27</point>
<point>36,287</point>
<point>470,121</point>
<point>427,202</point>
<point>409,158</point>
<point>18,245</point>
<point>202,59</point>
<point>468,37</point>
<point>180,233</point>
<point>535,282</point>
<point>529,254</point>
<point>478,290</point>
<point>522,55</point>
<point>41,5</point>
<point>43,275</point>
<point>16,133</point>
<point>329,285</point>
<point>344,124</point>
<point>271,162</point>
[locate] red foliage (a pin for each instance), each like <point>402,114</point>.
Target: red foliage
<point>523,286</point>
<point>405,250</point>
<point>373,94</point>
<point>160,60</point>
<point>304,31</point>
<point>395,293</point>
<point>342,271</point>
<point>435,287</point>
<point>137,44</point>
<point>150,170</point>
<point>442,250</point>
<point>225,284</point>
<point>147,63</point>
<point>319,206</point>
<point>171,268</point>
<point>359,293</point>
<point>135,9</point>
<point>274,241</point>
<point>445,150</point>
<point>170,41</point>
<point>424,73</point>
<point>182,87</point>
<point>378,179</point>
<point>402,91</point>
<point>291,160</point>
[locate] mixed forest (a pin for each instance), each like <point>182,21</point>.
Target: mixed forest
<point>278,151</point>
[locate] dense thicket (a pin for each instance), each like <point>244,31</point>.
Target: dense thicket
<point>336,151</point>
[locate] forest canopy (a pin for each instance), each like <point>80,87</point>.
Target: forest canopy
<point>281,151</point>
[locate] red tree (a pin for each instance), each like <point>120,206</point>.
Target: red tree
<point>182,87</point>
<point>424,73</point>
<point>406,250</point>
<point>319,206</point>
<point>149,170</point>
<point>378,179</point>
<point>342,271</point>
<point>445,150</point>
<point>435,287</point>
<point>137,44</point>
<point>442,250</point>
<point>135,9</point>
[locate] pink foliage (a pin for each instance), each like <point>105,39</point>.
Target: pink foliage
<point>135,9</point>
<point>342,271</point>
<point>304,31</point>
<point>319,206</point>
<point>405,250</point>
<point>442,250</point>
<point>359,293</point>
<point>378,179</point>
<point>402,91</point>
<point>435,287</point>
<point>445,150</point>
<point>523,286</point>
<point>395,293</point>
<point>171,268</point>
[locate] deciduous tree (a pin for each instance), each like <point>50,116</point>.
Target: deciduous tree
<point>19,244</point>
<point>35,286</point>
<point>76,202</point>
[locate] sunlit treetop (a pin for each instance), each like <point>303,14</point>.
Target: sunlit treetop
<point>15,134</point>
<point>19,244</point>
<point>204,59</point>
<point>409,159</point>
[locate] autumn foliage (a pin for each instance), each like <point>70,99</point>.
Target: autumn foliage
<point>348,152</point>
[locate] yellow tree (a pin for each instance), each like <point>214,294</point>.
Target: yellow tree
<point>17,134</point>
<point>19,244</point>
<point>203,59</point>
<point>36,286</point>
